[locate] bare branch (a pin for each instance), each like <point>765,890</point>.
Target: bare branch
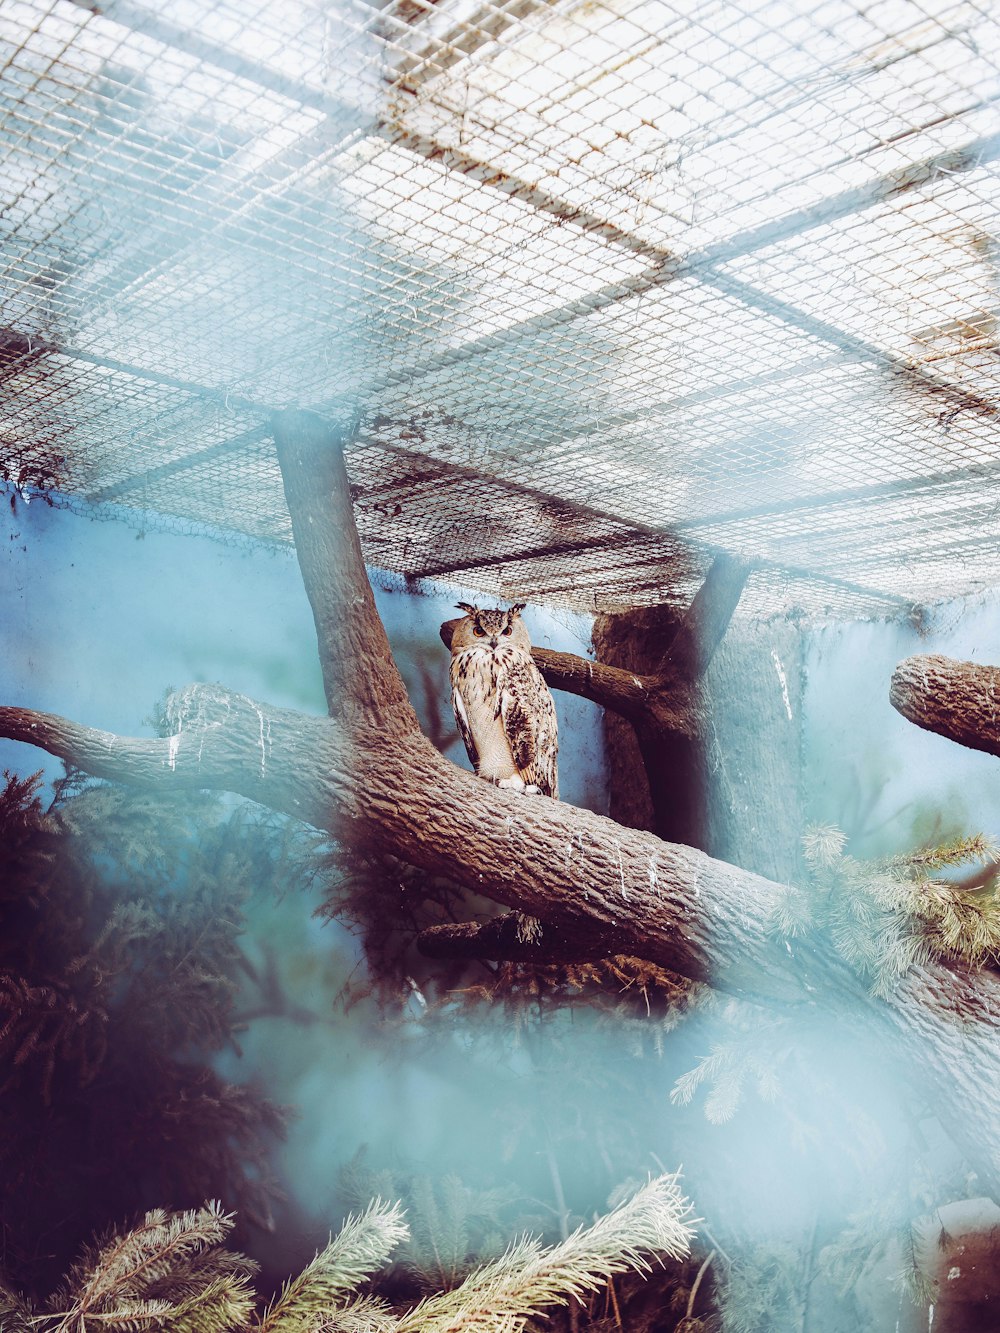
<point>361,679</point>
<point>956,699</point>
<point>608,686</point>
<point>706,620</point>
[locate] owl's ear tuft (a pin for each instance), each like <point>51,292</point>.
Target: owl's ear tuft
<point>464,606</point>
<point>517,608</point>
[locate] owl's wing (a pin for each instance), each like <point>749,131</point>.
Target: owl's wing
<point>529,722</point>
<point>465,731</point>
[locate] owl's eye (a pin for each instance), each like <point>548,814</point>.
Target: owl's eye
<point>507,630</point>
<point>479,632</point>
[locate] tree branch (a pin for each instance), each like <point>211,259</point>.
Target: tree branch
<point>584,875</point>
<point>581,872</point>
<point>360,677</point>
<point>706,620</point>
<point>222,741</point>
<point>608,686</point>
<point>959,700</point>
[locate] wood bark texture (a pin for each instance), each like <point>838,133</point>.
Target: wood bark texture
<point>960,700</point>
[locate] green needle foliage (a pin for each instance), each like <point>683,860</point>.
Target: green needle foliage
<point>762,1292</point>
<point>171,1274</point>
<point>883,917</point>
<point>728,1069</point>
<point>16,1316</point>
<point>889,915</point>
<point>366,1315</point>
<point>361,1247</point>
<point>501,1296</point>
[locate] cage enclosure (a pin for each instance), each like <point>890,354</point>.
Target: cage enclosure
<point>676,322</point>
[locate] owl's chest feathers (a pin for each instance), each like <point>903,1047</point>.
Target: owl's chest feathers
<point>480,677</point>
<point>480,674</point>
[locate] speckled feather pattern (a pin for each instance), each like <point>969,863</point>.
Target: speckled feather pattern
<point>504,710</point>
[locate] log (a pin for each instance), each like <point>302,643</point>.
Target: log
<point>960,700</point>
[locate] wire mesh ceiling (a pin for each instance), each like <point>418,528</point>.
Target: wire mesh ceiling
<point>610,285</point>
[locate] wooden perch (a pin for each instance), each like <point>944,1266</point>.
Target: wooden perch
<point>368,775</point>
<point>956,699</point>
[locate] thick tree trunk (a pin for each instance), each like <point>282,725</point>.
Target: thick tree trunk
<point>656,777</point>
<point>362,683</point>
<point>369,776</point>
<point>707,776</point>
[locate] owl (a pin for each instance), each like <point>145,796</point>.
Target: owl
<point>502,705</point>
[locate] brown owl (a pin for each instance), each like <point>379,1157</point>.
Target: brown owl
<point>502,705</point>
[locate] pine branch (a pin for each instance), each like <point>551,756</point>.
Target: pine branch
<point>359,1249</point>
<point>501,1296</point>
<point>367,1315</point>
<point>15,1314</point>
<point>126,1284</point>
<point>887,917</point>
<point>726,1071</point>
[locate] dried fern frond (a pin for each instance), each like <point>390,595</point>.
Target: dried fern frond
<point>359,1249</point>
<point>501,1296</point>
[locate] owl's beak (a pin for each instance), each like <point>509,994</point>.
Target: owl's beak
<point>494,642</point>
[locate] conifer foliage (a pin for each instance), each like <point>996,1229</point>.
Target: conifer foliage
<point>172,1272</point>
<point>119,924</point>
<point>888,915</point>
<point>169,1272</point>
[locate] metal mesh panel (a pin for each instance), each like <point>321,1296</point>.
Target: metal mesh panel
<point>611,285</point>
